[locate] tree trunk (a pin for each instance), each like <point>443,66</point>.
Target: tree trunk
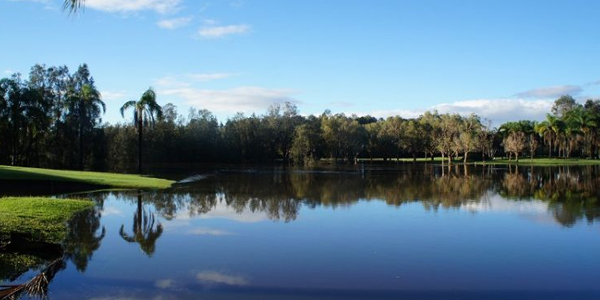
<point>466,154</point>
<point>80,145</point>
<point>140,132</point>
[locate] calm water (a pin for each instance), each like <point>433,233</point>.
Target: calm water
<point>415,232</point>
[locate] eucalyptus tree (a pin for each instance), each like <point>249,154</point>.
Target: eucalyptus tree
<point>485,140</point>
<point>430,124</point>
<point>145,112</point>
<point>392,132</point>
<point>23,121</point>
<point>469,135</point>
<point>344,136</point>
<point>304,145</point>
<point>414,142</point>
<point>373,143</point>
<point>281,121</point>
<point>449,131</point>
<point>515,143</point>
<point>563,105</point>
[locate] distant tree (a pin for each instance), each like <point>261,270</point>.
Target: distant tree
<point>532,145</point>
<point>281,121</point>
<point>515,143</point>
<point>85,108</point>
<point>563,105</point>
<point>304,150</point>
<point>468,138</point>
<point>145,112</point>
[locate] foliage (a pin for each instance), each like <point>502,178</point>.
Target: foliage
<point>52,119</point>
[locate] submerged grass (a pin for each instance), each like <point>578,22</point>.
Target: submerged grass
<point>40,219</point>
<point>92,178</point>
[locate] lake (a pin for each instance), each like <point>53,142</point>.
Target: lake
<point>367,232</point>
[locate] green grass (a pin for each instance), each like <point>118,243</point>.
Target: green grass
<point>538,161</point>
<point>93,178</point>
<point>547,162</point>
<point>41,219</point>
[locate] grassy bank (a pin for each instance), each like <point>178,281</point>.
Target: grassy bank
<point>547,162</point>
<point>538,161</point>
<point>93,178</point>
<point>41,219</point>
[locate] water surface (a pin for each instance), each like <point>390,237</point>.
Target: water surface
<point>408,232</point>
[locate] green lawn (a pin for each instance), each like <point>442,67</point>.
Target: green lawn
<point>42,219</point>
<point>548,162</point>
<point>94,178</point>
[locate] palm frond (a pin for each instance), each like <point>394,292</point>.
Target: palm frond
<point>73,5</point>
<point>126,106</point>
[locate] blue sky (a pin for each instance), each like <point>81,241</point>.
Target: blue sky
<point>504,60</point>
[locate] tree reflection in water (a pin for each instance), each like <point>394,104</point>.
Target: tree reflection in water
<point>144,231</point>
<point>569,191</point>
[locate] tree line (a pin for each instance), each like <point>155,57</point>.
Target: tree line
<point>53,119</point>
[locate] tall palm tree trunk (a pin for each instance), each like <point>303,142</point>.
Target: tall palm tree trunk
<point>80,145</point>
<point>140,132</point>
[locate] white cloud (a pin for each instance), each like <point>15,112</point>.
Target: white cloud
<point>497,110</point>
<point>208,231</point>
<point>209,76</point>
<point>112,95</point>
<point>186,80</point>
<point>220,211</point>
<point>174,23</point>
<point>246,99</point>
<point>551,92</point>
<point>160,6</point>
<point>405,113</point>
<point>209,22</point>
<point>112,211</point>
<point>212,32</point>
<point>212,277</point>
<point>172,82</point>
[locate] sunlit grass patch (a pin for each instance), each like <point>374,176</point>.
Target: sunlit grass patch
<point>38,218</point>
<point>92,178</point>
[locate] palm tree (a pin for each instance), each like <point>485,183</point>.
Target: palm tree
<point>86,106</point>
<point>581,124</point>
<point>144,112</point>
<point>543,130</point>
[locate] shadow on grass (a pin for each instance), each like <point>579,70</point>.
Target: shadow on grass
<point>24,183</point>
